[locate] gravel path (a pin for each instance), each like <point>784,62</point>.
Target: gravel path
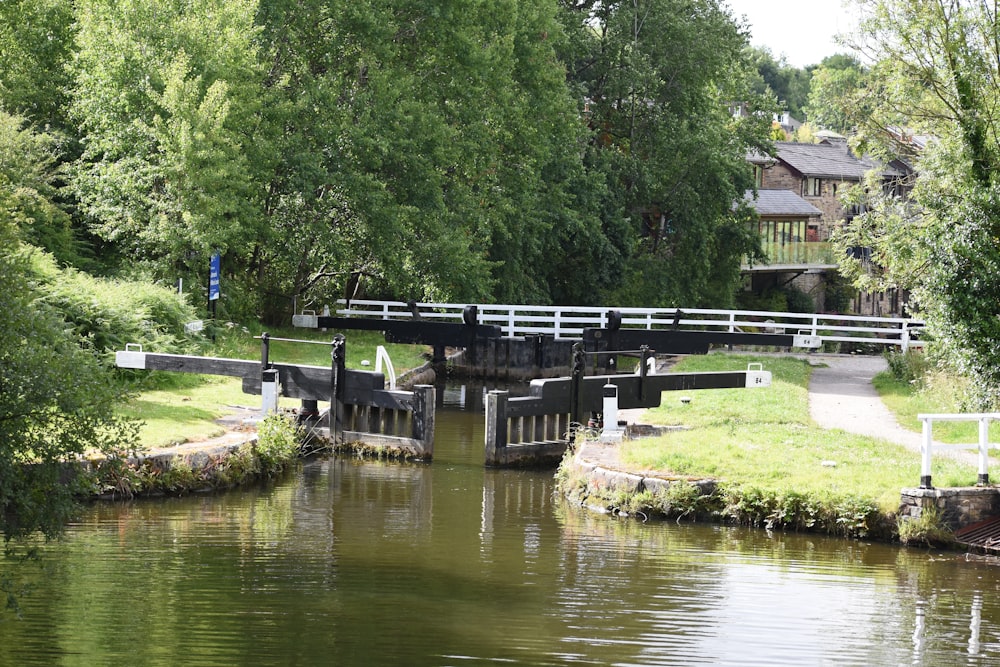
<point>841,396</point>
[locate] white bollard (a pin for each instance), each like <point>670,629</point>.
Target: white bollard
<point>269,391</point>
<point>611,431</point>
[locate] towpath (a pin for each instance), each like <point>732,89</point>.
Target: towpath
<point>841,395</point>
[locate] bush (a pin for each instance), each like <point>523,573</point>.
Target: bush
<point>278,443</point>
<point>908,367</point>
<point>107,314</point>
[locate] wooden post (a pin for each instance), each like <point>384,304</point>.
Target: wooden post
<point>576,385</point>
<point>424,398</point>
<point>338,373</point>
<point>496,427</point>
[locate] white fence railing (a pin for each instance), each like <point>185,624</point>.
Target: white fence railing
<point>570,321</point>
<point>927,444</point>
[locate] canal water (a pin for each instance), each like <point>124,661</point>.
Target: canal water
<point>348,562</point>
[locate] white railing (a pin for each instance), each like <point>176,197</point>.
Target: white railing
<point>927,444</point>
<point>570,321</point>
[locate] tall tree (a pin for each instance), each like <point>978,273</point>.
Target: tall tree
<point>36,40</point>
<point>661,78</point>
<point>165,97</point>
<point>835,85</point>
<point>790,84</point>
<point>937,74</point>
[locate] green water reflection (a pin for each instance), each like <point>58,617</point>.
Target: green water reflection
<point>352,563</point>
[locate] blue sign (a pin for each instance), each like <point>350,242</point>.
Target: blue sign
<point>214,267</point>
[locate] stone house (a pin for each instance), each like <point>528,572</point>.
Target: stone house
<point>817,175</point>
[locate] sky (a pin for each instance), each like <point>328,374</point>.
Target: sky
<point>801,31</point>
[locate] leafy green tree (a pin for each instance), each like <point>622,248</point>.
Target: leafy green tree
<point>36,40</point>
<point>791,85</point>
<point>55,404</point>
<point>835,83</point>
<point>27,188</point>
<point>935,74</point>
<point>661,77</point>
<point>164,98</point>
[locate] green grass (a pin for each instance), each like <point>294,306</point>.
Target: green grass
<point>187,413</point>
<point>936,393</point>
<point>765,438</point>
<point>240,343</point>
<point>178,407</point>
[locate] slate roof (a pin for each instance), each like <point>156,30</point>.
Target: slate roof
<point>826,160</point>
<point>781,202</point>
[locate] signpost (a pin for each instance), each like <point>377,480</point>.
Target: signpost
<point>214,269</point>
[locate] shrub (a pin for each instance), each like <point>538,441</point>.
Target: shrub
<point>107,314</point>
<point>278,442</point>
<point>910,367</point>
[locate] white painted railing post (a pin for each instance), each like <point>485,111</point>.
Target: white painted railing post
<point>925,456</point>
<point>510,322</point>
<point>984,443</point>
<point>558,323</point>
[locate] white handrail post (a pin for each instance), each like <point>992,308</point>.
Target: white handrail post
<point>558,318</point>
<point>732,322</point>
<point>925,456</point>
<point>905,338</point>
<point>510,322</point>
<point>815,331</point>
<point>984,443</point>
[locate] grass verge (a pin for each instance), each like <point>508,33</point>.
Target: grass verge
<point>774,466</point>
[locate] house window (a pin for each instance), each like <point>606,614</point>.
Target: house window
<point>814,187</point>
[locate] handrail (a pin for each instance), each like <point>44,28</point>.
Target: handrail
<point>568,322</point>
<point>927,444</point>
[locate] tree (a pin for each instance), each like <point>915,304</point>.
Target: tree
<point>936,74</point>
<point>36,40</point>
<point>55,404</point>
<point>164,97</point>
<point>789,84</point>
<point>661,77</point>
<point>835,82</point>
<point>27,173</point>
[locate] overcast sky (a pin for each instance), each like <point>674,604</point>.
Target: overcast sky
<point>801,31</point>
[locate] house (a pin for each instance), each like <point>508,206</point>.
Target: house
<point>796,226</point>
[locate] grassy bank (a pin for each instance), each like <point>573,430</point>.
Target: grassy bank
<point>276,448</point>
<point>773,465</point>
<point>177,407</point>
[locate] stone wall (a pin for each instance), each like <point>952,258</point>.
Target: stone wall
<point>958,507</point>
<point>781,177</point>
